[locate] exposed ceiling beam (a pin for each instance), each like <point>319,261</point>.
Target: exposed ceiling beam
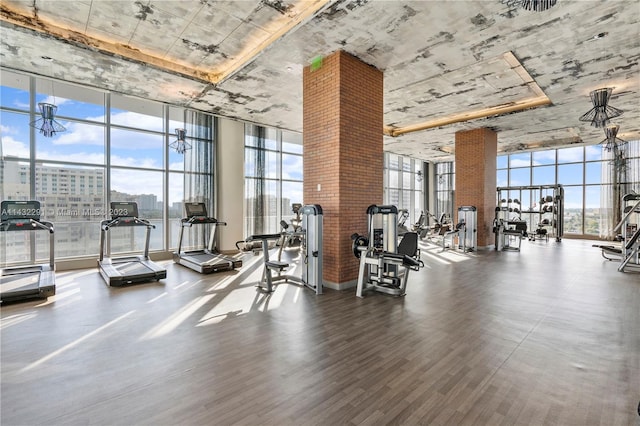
<point>298,13</point>
<point>539,100</point>
<point>50,29</point>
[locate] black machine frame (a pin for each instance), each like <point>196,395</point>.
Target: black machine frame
<point>120,271</point>
<point>28,281</point>
<point>206,260</point>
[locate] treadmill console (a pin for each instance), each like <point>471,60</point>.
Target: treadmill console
<point>195,210</point>
<point>20,210</point>
<point>123,209</point>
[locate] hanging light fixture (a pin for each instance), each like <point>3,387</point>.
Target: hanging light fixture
<point>47,124</point>
<point>538,5</point>
<point>180,144</point>
<point>419,176</point>
<point>601,112</point>
<point>611,140</point>
<point>535,5</point>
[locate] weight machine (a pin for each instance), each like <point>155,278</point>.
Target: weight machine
<point>629,251</point>
<point>544,211</point>
<point>310,234</point>
<point>385,264</point>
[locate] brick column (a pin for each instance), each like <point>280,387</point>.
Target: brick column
<point>476,152</point>
<point>343,155</point>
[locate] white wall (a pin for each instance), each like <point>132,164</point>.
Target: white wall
<point>230,183</point>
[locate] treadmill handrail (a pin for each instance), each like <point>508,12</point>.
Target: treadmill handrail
<point>35,225</point>
<point>187,222</point>
<point>127,221</point>
<point>105,225</point>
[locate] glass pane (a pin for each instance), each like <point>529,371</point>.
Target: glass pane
<point>394,161</point>
<point>445,182</point>
<point>417,206</point>
<point>15,181</point>
<point>594,172</point>
<point>291,167</point>
<point>544,157</point>
<point>260,163</point>
<point>593,152</point>
<point>593,214</point>
<point>260,137</point>
<point>72,101</point>
<point>136,149</point>
<point>406,164</point>
<point>573,209</point>
<point>520,160</point>
<point>501,178</point>
<point>73,198</point>
<point>544,175</point>
<point>406,180</point>
<point>502,161</point>
<point>261,207</point>
<point>520,177</point>
<point>291,142</point>
<point>81,143</point>
<point>444,168</point>
<point>14,136</point>
<point>14,91</point>
<point>406,201</point>
<point>570,174</point>
<point>146,189</point>
<point>571,155</point>
<point>291,193</point>
<point>393,179</point>
<point>394,196</point>
<point>136,113</point>
<point>176,207</point>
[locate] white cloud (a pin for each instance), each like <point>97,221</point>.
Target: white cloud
<point>519,163</point>
<point>13,147</point>
<point>55,100</point>
<point>83,134</point>
<point>140,121</point>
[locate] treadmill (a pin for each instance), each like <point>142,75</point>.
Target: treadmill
<point>30,281</point>
<point>120,271</point>
<point>206,260</point>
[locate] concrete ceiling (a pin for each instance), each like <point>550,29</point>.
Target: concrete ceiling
<point>448,65</point>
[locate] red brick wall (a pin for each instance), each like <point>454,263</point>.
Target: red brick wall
<point>343,152</point>
<point>476,152</point>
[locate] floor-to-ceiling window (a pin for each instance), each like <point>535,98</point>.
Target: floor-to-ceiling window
<point>444,188</point>
<point>273,177</point>
<point>114,149</point>
<point>403,184</point>
<point>583,171</point>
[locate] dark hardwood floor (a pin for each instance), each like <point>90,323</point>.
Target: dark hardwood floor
<point>549,335</point>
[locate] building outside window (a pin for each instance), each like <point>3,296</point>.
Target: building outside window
<point>115,148</point>
<point>585,172</point>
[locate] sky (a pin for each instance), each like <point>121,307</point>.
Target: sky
<point>84,143</point>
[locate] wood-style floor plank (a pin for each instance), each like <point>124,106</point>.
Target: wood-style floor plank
<point>546,336</point>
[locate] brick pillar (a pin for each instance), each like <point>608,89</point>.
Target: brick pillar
<point>476,152</point>
<point>343,155</point>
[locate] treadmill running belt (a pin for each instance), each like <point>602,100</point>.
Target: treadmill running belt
<point>202,257</point>
<point>131,268</point>
<point>20,282</point>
